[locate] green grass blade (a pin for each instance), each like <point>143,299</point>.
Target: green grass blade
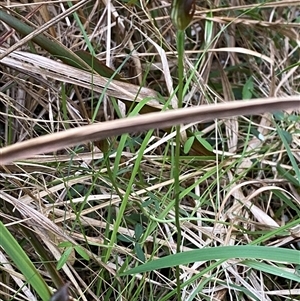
<point>266,268</point>
<point>54,48</point>
<point>228,252</point>
<point>289,152</point>
<point>23,263</point>
<point>81,60</point>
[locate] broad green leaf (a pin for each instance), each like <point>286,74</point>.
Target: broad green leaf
<point>204,143</point>
<point>139,252</point>
<point>82,252</point>
<point>293,118</point>
<point>197,147</point>
<point>248,89</point>
<point>138,231</point>
<point>188,144</point>
<point>278,116</point>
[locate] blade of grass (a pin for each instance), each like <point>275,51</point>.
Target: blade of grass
<point>81,59</point>
<point>289,152</point>
<point>228,252</point>
<point>21,260</point>
<point>273,270</point>
<point>54,48</point>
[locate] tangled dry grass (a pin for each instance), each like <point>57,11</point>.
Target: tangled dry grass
<point>85,213</point>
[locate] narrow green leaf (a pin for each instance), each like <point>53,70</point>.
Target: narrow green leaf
<point>289,152</point>
<point>80,59</point>
<point>273,270</point>
<point>287,175</point>
<point>288,201</point>
<point>53,47</point>
<point>228,252</point>
<point>98,66</point>
<point>64,258</point>
<point>23,263</point>
<point>65,244</point>
<point>288,137</point>
<point>125,238</point>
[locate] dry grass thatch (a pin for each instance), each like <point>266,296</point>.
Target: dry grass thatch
<point>87,203</point>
